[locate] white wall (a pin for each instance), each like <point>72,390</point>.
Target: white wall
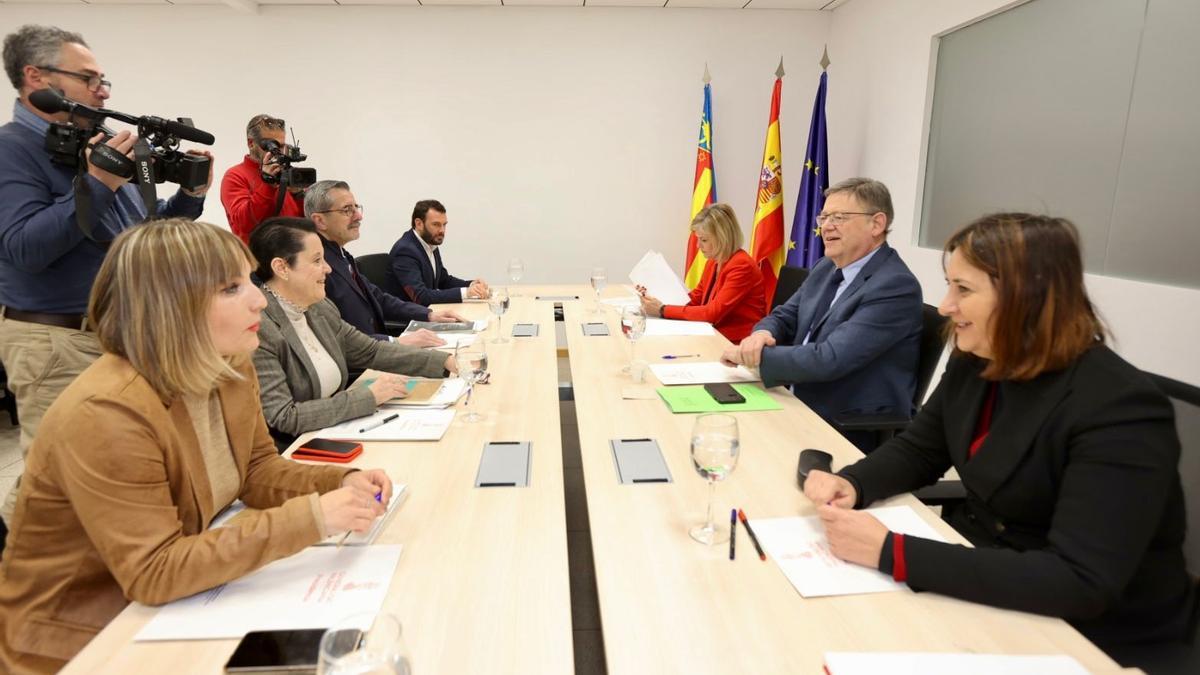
<point>564,136</point>
<point>879,83</point>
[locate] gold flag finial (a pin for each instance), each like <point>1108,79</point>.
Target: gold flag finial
<point>779,70</point>
<point>707,77</point>
<point>825,58</point>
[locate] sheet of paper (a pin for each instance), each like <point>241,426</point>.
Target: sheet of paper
<point>919,663</point>
<point>634,392</point>
<point>701,372</point>
<point>653,272</point>
<point>311,589</point>
<point>409,425</point>
<point>232,513</point>
<point>662,327</point>
<point>696,399</point>
<point>799,547</point>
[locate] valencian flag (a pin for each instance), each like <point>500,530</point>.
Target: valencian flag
<point>766,240</point>
<point>805,247</point>
<point>704,189</point>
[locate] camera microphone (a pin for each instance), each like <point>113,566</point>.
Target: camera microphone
<point>50,101</point>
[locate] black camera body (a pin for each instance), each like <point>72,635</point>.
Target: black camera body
<point>291,176</point>
<point>65,143</point>
<point>189,171</point>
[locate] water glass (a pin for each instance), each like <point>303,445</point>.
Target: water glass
<point>715,449</point>
<point>498,303</point>
<point>599,281</point>
<point>472,361</point>
<point>347,650</point>
<point>633,325</point>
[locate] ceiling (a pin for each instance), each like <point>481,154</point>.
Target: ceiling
<point>251,5</point>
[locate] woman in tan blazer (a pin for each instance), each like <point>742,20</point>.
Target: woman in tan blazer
<point>137,456</point>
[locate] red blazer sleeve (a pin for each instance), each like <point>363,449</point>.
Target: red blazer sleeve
<point>734,283</point>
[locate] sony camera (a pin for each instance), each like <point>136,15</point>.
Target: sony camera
<point>290,176</point>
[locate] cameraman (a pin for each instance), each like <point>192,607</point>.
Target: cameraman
<point>47,264</point>
<point>248,199</point>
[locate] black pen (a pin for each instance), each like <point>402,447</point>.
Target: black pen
<point>378,424</point>
<point>750,531</point>
<point>732,532</point>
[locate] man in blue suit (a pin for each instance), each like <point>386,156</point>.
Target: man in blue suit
<point>848,340</point>
<point>338,217</point>
<point>417,271</point>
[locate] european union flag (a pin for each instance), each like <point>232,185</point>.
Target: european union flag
<point>805,247</point>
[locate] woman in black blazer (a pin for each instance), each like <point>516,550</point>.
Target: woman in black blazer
<point>1068,453</point>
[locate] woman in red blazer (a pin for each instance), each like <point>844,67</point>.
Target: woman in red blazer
<point>730,294</point>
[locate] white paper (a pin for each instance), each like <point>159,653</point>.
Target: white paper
<point>799,547</point>
<point>701,372</point>
<point>653,272</point>
<point>399,494</point>
<point>662,327</point>
<point>308,590</point>
<point>903,663</point>
<point>409,425</point>
<point>449,391</point>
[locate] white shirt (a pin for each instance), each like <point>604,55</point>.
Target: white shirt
<point>433,262</point>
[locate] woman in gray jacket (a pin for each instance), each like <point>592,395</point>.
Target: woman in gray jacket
<point>306,350</point>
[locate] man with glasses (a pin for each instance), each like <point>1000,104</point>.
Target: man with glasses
<point>338,216</point>
<point>847,340</point>
<point>247,198</point>
<point>47,261</point>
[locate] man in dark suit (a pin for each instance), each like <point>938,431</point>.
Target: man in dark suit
<point>338,217</point>
<point>417,271</point>
<point>848,340</point>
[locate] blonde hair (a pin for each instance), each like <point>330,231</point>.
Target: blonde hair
<point>719,222</point>
<point>151,298</point>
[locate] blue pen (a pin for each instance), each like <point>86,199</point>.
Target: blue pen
<point>669,357</point>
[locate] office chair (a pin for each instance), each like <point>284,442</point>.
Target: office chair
<point>790,280</point>
<point>1178,659</point>
<point>374,267</point>
<point>932,343</point>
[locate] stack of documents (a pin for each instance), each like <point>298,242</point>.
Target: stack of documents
<point>799,547</point>
<point>903,663</point>
<point>447,327</point>
<point>397,425</point>
<point>311,589</point>
<point>232,513</point>
<point>430,394</point>
<point>660,281</point>
<point>701,372</point>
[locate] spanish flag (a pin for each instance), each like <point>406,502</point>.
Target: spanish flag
<point>766,240</point>
<point>704,190</point>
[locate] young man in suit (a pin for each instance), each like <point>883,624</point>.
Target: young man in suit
<point>338,217</point>
<point>417,270</point>
<point>848,340</point>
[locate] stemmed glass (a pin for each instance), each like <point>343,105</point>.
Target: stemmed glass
<point>498,303</point>
<point>633,325</point>
<point>516,270</point>
<point>715,455</point>
<point>599,281</point>
<point>472,362</point>
<point>346,650</point>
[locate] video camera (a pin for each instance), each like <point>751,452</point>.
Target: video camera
<point>289,176</point>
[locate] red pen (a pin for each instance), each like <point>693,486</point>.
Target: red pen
<point>750,531</point>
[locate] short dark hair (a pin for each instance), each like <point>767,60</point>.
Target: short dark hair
<point>1043,319</point>
<point>279,237</point>
<point>422,209</point>
<point>32,45</point>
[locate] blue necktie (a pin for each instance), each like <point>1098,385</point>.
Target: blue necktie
<point>825,301</point>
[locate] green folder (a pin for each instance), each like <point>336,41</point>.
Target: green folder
<point>694,399</point>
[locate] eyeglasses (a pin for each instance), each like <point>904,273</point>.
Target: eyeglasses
<point>94,82</point>
<point>347,210</point>
<point>265,121</point>
<point>838,218</point>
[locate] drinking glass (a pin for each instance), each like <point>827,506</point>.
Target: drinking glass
<point>346,650</point>
<point>472,361</point>
<point>633,325</point>
<point>714,455</point>
<point>498,303</point>
<point>516,270</point>
<point>599,281</point>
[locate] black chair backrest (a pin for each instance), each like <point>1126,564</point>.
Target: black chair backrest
<point>374,267</point>
<point>790,280</point>
<point>1186,399</point>
<point>933,342</point>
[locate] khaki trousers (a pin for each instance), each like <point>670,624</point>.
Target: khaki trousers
<point>41,361</point>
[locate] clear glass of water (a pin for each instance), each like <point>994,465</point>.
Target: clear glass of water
<point>472,362</point>
<point>599,281</point>
<point>498,303</point>
<point>633,325</point>
<point>347,650</point>
<point>516,270</point>
<point>715,449</point>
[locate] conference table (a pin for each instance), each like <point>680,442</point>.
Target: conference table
<point>482,583</point>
